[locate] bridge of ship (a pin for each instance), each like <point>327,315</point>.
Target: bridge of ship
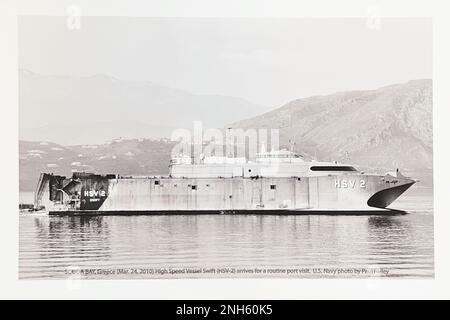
<point>281,163</point>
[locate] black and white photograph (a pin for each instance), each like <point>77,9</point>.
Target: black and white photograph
<point>225,147</point>
<point>214,147</point>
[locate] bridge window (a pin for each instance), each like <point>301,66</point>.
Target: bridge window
<point>194,187</point>
<point>273,187</point>
<point>156,182</point>
<point>332,168</point>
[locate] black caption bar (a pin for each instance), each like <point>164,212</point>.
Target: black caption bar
<point>234,309</point>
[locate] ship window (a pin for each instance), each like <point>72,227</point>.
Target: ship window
<point>194,187</point>
<point>332,168</point>
<point>273,187</point>
<point>156,182</point>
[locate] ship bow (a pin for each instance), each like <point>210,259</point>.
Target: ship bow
<point>385,197</point>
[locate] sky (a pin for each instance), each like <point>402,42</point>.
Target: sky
<point>266,61</point>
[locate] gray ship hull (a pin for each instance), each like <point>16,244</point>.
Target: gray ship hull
<point>91,194</point>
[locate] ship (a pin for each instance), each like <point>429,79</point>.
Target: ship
<point>274,182</point>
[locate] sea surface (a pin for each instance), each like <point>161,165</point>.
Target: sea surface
<point>231,246</point>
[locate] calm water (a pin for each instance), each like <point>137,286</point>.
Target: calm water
<point>113,247</point>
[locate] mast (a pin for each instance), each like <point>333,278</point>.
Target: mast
<point>229,144</point>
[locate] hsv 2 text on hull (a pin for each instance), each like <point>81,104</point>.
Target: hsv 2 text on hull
<point>277,182</point>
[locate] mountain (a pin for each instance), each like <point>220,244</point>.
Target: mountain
<point>125,157</point>
<point>80,110</point>
<point>388,127</point>
<point>382,129</point>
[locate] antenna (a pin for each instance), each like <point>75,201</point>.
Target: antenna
<point>291,139</point>
<point>229,143</point>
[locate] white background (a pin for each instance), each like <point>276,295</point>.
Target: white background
<point>11,287</point>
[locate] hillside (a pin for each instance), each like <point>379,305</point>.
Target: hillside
<point>382,129</point>
<point>125,157</point>
<point>388,127</point>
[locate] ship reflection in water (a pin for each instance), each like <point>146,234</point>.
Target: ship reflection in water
<point>402,245</point>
